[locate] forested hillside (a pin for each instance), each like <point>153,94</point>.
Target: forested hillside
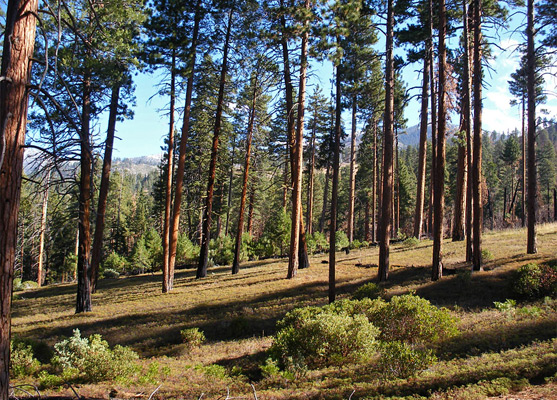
<point>263,159</point>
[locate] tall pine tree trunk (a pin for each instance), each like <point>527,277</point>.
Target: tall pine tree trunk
<point>42,231</point>
<point>311,172</point>
<point>83,301</point>
<point>458,233</point>
<point>352,188</point>
<point>374,185</point>
<point>477,152</point>
<point>439,185</point>
<point>103,191</point>
<point>240,230</point>
<point>297,152</point>
<point>334,195</point>
<point>169,179</point>
<point>19,41</point>
<point>229,194</point>
<point>325,198</point>
<point>422,153</point>
<point>532,246</point>
<point>208,213</point>
<point>175,222</point>
<point>466,121</point>
<point>388,138</point>
<point>523,205</point>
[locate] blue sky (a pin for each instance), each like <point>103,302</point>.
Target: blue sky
<point>144,134</point>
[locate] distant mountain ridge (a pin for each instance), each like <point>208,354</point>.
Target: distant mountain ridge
<point>411,136</point>
<point>142,165</point>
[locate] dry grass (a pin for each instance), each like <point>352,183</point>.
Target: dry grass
<point>238,315</point>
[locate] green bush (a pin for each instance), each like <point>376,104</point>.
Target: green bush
<point>369,290</point>
<point>18,287</point>
<point>411,319</point>
<point>535,281</point>
<point>110,274</point>
<point>401,360</point>
<point>317,242</point>
<point>186,250</point>
<point>26,285</point>
<point>314,337</point>
<point>22,360</point>
<point>221,250</point>
<point>91,359</point>
<point>192,337</point>
<point>411,242</point>
<point>115,262</point>
<point>487,255</point>
<point>341,240</point>
<point>356,244</point>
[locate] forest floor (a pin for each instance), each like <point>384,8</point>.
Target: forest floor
<point>497,352</point>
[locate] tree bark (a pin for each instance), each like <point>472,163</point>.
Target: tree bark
<point>422,153</point>
<point>175,221</point>
<point>554,204</point>
<point>352,188</point>
<point>83,301</point>
<point>44,213</point>
<point>477,152</point>
<point>439,193</point>
<point>229,195</point>
<point>458,233</point>
<point>334,195</point>
<point>169,180</point>
<point>103,191</point>
<point>19,41</point>
<point>297,152</point>
<point>523,205</point>
<point>374,185</point>
<point>466,114</point>
<point>532,246</point>
<point>388,126</point>
<point>249,136</point>
<point>325,200</point>
<point>208,214</point>
<point>311,172</point>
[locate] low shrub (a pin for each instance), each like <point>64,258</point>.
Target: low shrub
<point>192,337</point>
<point>18,287</point>
<point>317,242</point>
<point>487,255</point>
<point>22,360</point>
<point>356,244</point>
<point>221,250</point>
<point>535,281</point>
<point>26,285</point>
<point>115,262</point>
<point>91,359</point>
<point>413,320</point>
<point>369,290</point>
<point>341,240</point>
<point>315,337</point>
<point>411,242</point>
<point>401,360</point>
<point>110,274</point>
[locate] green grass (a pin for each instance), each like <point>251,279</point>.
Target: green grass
<point>497,352</point>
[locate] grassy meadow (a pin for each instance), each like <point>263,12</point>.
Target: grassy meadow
<point>498,350</point>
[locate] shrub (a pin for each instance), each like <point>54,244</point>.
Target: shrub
<point>110,273</point>
<point>91,359</point>
<point>341,240</point>
<point>22,360</point>
<point>186,250</point>
<point>221,250</point>
<point>115,262</point>
<point>315,337</point>
<point>401,360</point>
<point>317,242</point>
<point>533,281</point>
<point>411,242</point>
<point>487,255</point>
<point>29,285</point>
<point>192,337</point>
<point>411,319</point>
<point>369,290</point>
<point>356,244</point>
<point>18,287</point>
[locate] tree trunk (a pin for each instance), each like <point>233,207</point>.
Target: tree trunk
<point>169,179</point>
<point>352,188</point>
<point>251,207</point>
<point>433,95</point>
<point>554,204</point>
<point>19,41</point>
<point>229,196</point>
<point>477,160</point>
<point>207,216</point>
<point>325,200</point>
<point>388,126</point>
<point>422,154</point>
<point>523,205</point>
<point>504,203</point>
<point>175,222</point>
<point>103,191</point>
<point>83,301</point>
<point>249,136</point>
<point>458,233</point>
<point>311,172</point>
<point>532,246</point>
<point>297,153</point>
<point>44,213</point>
<point>466,120</point>
<point>334,195</point>
<point>374,185</point>
<point>367,209</point>
<point>439,193</point>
